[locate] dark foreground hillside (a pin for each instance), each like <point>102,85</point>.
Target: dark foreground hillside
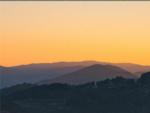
<point>118,95</point>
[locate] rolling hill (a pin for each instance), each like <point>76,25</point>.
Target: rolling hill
<point>95,72</point>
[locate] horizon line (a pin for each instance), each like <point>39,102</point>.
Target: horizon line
<point>73,62</point>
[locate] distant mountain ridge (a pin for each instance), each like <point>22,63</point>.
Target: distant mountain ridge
<point>92,73</point>
<point>33,73</point>
<point>131,67</point>
<point>16,75</point>
<point>134,68</point>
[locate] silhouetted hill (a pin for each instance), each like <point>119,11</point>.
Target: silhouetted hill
<point>92,73</point>
<point>145,79</point>
<point>118,95</point>
<point>16,88</point>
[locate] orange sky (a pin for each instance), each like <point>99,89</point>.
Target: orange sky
<point>35,32</point>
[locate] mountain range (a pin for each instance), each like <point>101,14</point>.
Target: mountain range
<point>34,73</point>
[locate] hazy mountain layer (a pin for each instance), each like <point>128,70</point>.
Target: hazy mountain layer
<point>33,73</point>
<point>92,73</point>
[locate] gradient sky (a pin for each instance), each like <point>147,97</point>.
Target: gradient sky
<point>35,32</point>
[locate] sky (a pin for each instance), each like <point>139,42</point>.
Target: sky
<point>40,32</point>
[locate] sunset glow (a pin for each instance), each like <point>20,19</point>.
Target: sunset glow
<point>36,32</point>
